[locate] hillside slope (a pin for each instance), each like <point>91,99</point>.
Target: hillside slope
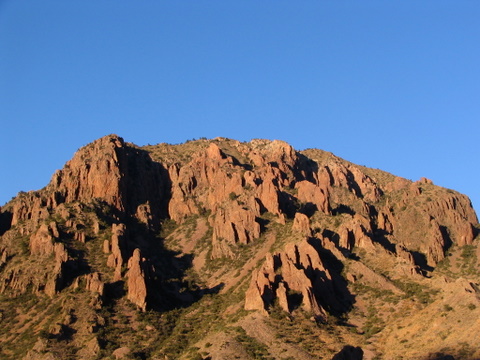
<point>217,249</point>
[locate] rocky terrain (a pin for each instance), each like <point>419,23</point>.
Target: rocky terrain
<point>218,249</point>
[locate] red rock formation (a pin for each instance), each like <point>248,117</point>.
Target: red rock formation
<point>455,212</point>
<point>137,288</point>
<point>94,283</point>
<point>301,224</point>
<point>354,232</point>
<point>101,171</point>
<point>435,247</point>
<point>235,224</point>
<point>314,194</point>
<point>117,247</point>
<point>42,242</point>
<point>267,191</point>
<point>93,172</point>
<point>383,220</point>
<point>55,279</point>
<point>28,207</point>
<point>260,293</point>
<point>368,188</point>
<point>295,275</point>
<point>209,178</point>
<point>233,188</point>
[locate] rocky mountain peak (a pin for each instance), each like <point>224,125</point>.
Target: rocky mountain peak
<point>254,238</point>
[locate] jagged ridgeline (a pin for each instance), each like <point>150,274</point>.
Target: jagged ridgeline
<point>218,249</point>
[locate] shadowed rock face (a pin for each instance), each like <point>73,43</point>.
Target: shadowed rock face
<point>349,353</point>
<point>100,226</point>
<point>295,277</point>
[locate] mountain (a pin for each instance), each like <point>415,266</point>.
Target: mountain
<point>218,249</point>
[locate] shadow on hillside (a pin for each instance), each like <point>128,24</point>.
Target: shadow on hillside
<point>171,283</point>
<point>421,261</point>
<point>381,237</point>
<point>343,209</point>
<point>5,222</point>
<point>145,188</point>
<point>339,300</point>
<point>305,168</point>
<point>145,181</point>
<point>462,354</point>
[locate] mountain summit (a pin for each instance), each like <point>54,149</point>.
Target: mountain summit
<point>218,249</point>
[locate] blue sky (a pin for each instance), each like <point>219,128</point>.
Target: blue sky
<point>392,85</point>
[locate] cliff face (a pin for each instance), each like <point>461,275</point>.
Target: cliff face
<point>107,170</point>
<point>179,226</point>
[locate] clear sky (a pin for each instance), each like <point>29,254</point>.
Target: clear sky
<point>393,85</point>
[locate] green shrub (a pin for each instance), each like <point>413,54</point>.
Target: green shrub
<point>447,307</point>
<point>252,346</point>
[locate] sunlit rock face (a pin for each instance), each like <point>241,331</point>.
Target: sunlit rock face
<point>250,233</point>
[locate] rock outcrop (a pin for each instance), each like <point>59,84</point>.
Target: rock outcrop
<point>316,194</point>
<point>296,277</point>
<point>169,226</point>
<point>94,283</point>
<point>107,170</point>
<point>42,241</point>
<point>116,248</point>
<point>301,224</point>
<point>137,288</point>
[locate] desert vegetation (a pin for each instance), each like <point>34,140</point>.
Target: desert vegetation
<point>217,249</point>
